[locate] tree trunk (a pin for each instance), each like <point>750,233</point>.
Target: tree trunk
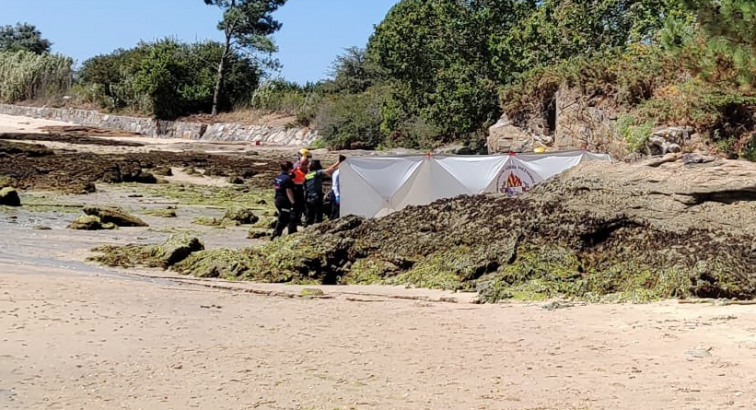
<point>219,82</point>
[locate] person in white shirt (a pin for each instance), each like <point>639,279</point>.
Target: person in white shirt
<point>335,196</point>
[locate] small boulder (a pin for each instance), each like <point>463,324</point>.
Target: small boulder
<point>9,197</point>
<point>237,180</point>
<point>116,216</point>
<point>90,223</point>
<point>145,178</point>
<point>243,216</point>
<point>176,249</point>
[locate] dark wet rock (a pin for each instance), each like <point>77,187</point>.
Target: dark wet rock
<point>9,197</point>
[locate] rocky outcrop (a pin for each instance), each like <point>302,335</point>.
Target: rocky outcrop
<point>169,129</point>
<point>505,136</point>
<point>572,122</point>
<point>578,121</point>
<point>90,223</point>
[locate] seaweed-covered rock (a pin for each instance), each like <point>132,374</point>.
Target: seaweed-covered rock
<point>257,234</point>
<point>243,216</point>
<point>9,197</point>
<point>115,216</point>
<point>171,252</point>
<point>176,249</point>
<point>169,212</point>
<point>90,223</point>
<point>162,171</point>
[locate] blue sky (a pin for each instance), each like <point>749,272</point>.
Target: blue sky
<point>314,31</point>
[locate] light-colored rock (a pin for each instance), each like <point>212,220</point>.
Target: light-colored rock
<point>668,139</point>
<point>504,136</point>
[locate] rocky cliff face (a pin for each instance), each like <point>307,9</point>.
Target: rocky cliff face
<point>576,121</point>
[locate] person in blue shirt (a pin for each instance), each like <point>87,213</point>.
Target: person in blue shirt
<point>285,200</point>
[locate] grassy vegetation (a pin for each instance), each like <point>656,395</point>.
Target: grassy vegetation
<point>26,76</point>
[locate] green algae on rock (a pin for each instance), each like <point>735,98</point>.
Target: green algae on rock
<point>171,252</point>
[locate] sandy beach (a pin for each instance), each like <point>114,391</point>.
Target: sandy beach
<point>97,341</point>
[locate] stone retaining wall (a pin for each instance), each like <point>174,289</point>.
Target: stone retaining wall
<point>169,129</point>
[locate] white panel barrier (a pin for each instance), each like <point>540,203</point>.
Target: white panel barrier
<point>377,186</point>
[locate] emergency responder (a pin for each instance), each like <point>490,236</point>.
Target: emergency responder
<point>314,190</point>
<point>301,168</point>
<point>285,200</point>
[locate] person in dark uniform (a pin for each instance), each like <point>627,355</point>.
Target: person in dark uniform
<point>285,200</point>
<point>314,190</point>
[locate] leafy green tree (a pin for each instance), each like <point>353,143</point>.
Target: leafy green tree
<point>725,49</point>
<point>557,30</point>
<point>353,72</point>
<point>23,36</point>
<point>435,54</point>
<point>246,25</point>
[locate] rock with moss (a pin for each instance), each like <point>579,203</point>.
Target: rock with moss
<point>243,216</point>
<point>9,197</point>
<point>165,255</point>
<point>90,223</point>
<point>114,215</point>
<point>169,212</point>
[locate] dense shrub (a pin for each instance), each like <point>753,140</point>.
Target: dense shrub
<point>352,121</point>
